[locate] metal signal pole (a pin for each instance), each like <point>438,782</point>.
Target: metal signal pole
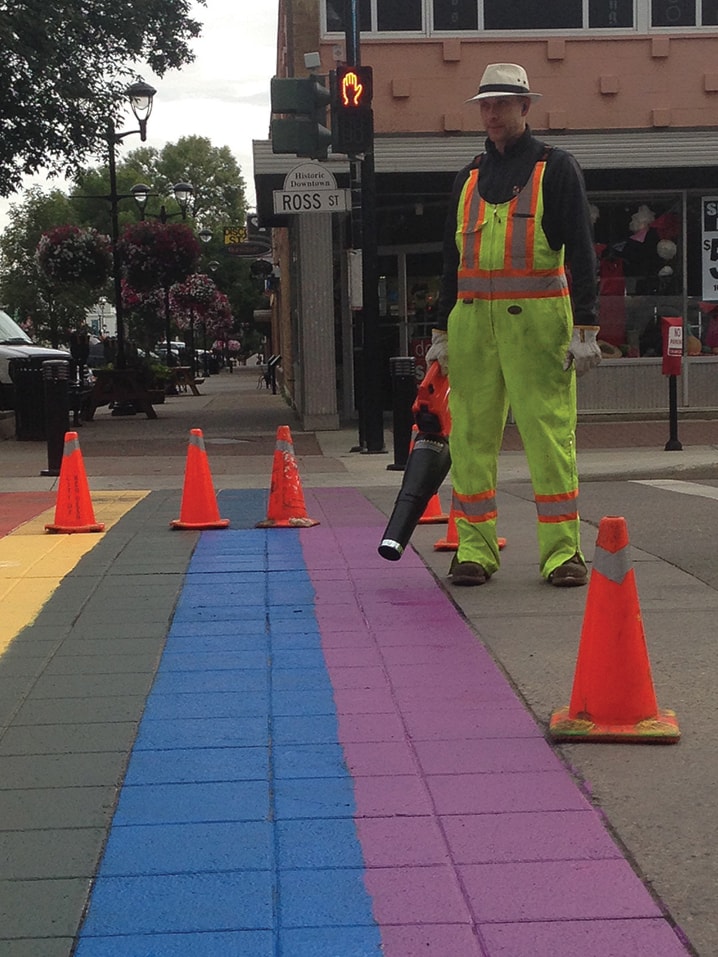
<point>363,232</point>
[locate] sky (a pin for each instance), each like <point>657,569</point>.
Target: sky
<point>223,94</point>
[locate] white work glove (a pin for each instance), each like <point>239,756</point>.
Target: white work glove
<point>439,350</point>
<point>583,350</point>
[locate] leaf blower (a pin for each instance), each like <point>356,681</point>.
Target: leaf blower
<point>428,463</point>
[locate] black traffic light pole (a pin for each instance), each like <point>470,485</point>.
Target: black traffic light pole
<point>363,229</point>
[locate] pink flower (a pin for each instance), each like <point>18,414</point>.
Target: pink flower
<point>158,254</point>
<point>69,254</point>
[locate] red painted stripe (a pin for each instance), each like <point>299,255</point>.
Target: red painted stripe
<point>19,507</point>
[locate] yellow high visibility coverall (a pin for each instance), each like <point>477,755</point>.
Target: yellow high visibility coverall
<point>508,333</point>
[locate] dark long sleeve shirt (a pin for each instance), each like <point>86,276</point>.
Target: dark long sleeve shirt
<point>566,219</point>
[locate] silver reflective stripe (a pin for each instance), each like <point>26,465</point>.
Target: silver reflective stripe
<point>476,509</point>
<point>612,565</point>
<point>567,506</point>
<point>71,445</point>
<point>197,440</point>
<point>283,446</point>
<point>551,284</point>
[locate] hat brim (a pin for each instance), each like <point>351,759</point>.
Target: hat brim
<point>498,93</point>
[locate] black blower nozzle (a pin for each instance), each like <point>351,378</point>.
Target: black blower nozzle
<point>426,469</point>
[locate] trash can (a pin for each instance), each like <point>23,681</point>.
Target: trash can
<point>403,390</point>
<point>56,384</point>
<point>26,375</point>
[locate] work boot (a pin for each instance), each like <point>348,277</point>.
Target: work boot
<point>467,573</point>
<point>573,572</point>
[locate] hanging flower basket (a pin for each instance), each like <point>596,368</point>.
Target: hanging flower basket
<point>143,302</point>
<point>190,300</point>
<point>69,254</point>
<point>158,254</point>
<point>218,317</point>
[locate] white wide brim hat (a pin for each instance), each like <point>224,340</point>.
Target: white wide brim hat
<point>504,79</point>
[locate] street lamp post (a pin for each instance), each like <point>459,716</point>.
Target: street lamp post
<point>141,96</point>
<point>213,266</point>
<point>182,192</point>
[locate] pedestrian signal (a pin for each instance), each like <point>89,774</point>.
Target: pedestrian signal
<point>352,118</point>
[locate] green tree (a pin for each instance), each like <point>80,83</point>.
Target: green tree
<point>24,291</point>
<point>219,202</point>
<point>67,64</point>
<point>219,187</point>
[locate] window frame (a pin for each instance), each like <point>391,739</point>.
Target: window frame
<point>642,25</point>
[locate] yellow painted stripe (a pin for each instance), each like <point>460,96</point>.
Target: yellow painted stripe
<point>33,562</point>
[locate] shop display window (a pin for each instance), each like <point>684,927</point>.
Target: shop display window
<point>639,271</point>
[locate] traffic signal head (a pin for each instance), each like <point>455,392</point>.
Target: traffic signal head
<point>302,129</point>
<point>352,118</point>
<point>354,87</point>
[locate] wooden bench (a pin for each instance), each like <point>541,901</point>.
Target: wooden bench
<point>119,387</point>
<point>182,378</point>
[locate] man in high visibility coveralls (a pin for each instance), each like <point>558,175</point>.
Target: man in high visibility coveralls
<point>510,333</point>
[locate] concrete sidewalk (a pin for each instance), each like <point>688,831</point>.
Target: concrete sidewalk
<point>240,421</point>
<point>273,743</point>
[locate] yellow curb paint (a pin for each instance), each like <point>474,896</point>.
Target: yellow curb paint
<point>33,562</point>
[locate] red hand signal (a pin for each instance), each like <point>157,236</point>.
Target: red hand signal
<point>352,90</point>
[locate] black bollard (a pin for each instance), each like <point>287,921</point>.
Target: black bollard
<point>403,389</point>
<point>673,444</point>
<point>56,382</point>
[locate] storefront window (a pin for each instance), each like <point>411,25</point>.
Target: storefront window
<point>640,278</point>
<point>610,13</point>
<point>529,15</point>
<point>335,16</point>
<point>391,16</point>
<point>395,15</point>
<point>456,15</point>
<point>673,13</point>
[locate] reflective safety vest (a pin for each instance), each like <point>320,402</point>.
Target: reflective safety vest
<point>503,250</point>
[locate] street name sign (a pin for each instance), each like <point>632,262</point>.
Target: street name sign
<point>310,188</point>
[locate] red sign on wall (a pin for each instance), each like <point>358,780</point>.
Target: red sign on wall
<point>419,348</point>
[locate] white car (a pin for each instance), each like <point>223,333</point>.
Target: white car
<point>15,344</point>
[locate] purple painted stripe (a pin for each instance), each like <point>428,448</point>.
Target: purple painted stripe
<point>476,839</point>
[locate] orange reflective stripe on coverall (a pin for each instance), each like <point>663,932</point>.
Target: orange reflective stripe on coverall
<point>508,335</point>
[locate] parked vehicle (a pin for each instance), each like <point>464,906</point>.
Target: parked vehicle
<point>177,349</point>
<point>16,344</point>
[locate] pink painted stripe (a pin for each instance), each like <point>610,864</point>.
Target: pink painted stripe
<point>471,828</point>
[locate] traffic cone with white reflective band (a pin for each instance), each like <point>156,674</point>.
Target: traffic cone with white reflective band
<point>199,503</point>
<point>286,507</point>
<point>613,698</point>
<point>73,507</point>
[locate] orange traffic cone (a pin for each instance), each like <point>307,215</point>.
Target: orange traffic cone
<point>73,508</point>
<point>451,542</point>
<point>286,507</point>
<point>433,515</point>
<point>613,698</point>
<point>199,502</point>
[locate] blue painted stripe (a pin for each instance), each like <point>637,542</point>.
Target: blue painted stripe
<point>234,833</point>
